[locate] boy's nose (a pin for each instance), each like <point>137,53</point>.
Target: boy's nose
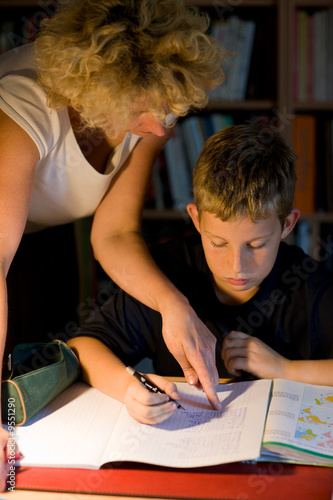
<point>236,262</point>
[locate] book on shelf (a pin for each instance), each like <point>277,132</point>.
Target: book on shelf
<point>309,59</point>
<point>173,172</point>
<point>321,63</point>
<point>261,420</point>
<point>324,173</point>
<point>303,236</point>
<point>328,148</point>
<point>330,56</point>
<point>194,138</point>
<point>313,54</point>
<point>207,125</point>
<point>236,36</point>
<point>240,72</point>
<point>222,32</point>
<point>179,174</point>
<point>304,143</point>
<point>220,121</point>
<point>303,53</point>
<point>295,57</point>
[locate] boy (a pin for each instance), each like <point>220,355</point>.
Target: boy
<point>266,302</point>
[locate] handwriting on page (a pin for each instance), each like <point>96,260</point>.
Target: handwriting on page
<point>202,431</point>
<point>197,435</point>
<point>212,419</point>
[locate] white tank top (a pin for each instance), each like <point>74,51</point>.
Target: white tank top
<point>66,186</point>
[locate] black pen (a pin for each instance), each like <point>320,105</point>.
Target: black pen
<point>150,385</point>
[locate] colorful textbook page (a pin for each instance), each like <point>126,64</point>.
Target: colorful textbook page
<point>299,425</point>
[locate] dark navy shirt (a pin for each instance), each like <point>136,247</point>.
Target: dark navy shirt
<point>291,312</point>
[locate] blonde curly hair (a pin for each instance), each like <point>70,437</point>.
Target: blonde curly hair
<point>100,57</point>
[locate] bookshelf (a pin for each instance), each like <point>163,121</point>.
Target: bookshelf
<point>270,91</point>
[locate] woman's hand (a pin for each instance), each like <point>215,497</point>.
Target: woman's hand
<point>241,352</point>
<point>193,346</point>
<point>148,407</point>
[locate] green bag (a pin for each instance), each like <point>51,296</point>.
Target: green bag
<point>39,373</point>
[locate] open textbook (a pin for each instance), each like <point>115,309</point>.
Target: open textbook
<point>265,420</point>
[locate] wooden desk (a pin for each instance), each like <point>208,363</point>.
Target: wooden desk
<point>263,481</point>
<point>236,481</point>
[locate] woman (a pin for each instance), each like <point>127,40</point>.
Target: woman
<point>84,111</point>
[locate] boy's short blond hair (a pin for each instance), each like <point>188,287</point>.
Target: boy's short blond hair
<point>101,57</point>
<point>245,171</point>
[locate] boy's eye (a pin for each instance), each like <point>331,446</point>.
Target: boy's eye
<point>215,245</point>
<point>256,247</point>
<point>249,245</point>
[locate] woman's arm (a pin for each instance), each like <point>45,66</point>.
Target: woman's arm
<point>103,370</point>
<point>122,252</point>
<point>3,329</point>
<point>242,352</point>
<point>18,158</point>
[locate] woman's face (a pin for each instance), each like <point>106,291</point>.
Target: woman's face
<point>145,124</point>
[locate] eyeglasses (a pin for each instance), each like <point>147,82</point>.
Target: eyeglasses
<point>170,119</point>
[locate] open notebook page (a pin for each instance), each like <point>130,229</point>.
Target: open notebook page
<point>198,436</point>
<point>71,431</point>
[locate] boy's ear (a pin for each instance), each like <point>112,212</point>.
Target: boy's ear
<point>193,213</point>
<point>290,222</point>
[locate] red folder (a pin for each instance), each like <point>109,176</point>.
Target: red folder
<point>264,481</point>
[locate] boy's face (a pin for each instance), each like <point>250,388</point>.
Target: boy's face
<point>240,253</point>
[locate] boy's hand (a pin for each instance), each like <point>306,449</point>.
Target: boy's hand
<point>193,346</point>
<point>147,407</point>
<point>241,352</point>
